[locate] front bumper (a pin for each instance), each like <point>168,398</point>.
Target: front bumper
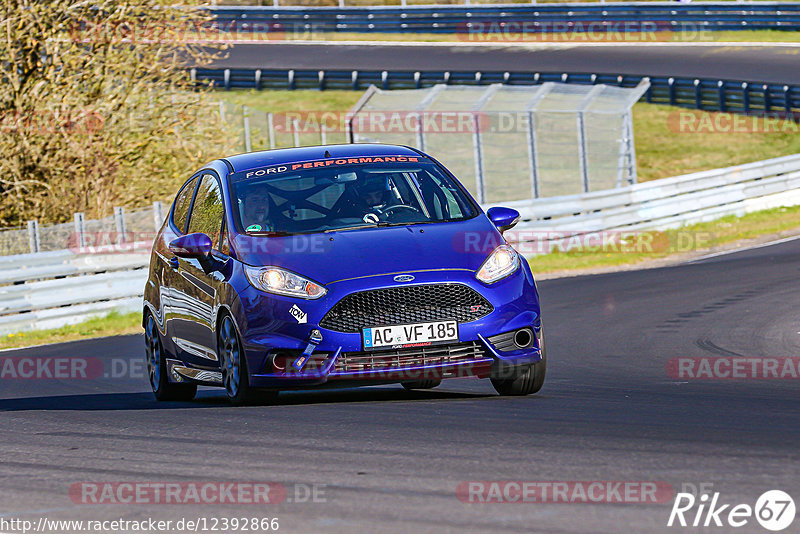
<point>271,329</point>
<point>479,359</point>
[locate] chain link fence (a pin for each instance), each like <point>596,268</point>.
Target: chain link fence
<point>512,142</point>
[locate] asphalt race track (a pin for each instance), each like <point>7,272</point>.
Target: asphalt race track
<point>391,460</point>
<point>776,64</point>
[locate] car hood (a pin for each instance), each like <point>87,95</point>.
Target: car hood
<point>336,256</point>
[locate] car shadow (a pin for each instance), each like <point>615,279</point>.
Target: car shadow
<point>216,398</point>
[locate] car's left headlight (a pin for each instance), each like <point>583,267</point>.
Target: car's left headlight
<point>503,261</point>
<point>283,282</point>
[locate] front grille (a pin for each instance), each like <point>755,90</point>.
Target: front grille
<point>393,359</point>
<point>407,304</point>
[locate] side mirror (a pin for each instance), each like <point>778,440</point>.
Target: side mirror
<point>503,218</point>
<point>191,246</point>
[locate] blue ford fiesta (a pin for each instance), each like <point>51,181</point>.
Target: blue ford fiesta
<point>341,265</point>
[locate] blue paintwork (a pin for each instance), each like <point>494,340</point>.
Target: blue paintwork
<point>188,301</point>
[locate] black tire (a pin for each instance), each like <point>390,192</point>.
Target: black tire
<point>233,365</point>
<point>163,389</point>
<point>526,381</point>
<point>421,384</point>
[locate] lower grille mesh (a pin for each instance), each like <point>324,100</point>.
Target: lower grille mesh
<point>387,360</point>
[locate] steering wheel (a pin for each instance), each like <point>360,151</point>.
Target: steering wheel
<point>403,206</point>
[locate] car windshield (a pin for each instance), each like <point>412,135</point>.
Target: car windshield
<point>330,195</point>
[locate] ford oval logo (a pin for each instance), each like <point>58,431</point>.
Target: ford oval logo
<point>403,278</point>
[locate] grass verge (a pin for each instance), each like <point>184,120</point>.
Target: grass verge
<point>651,245</point>
<point>664,147</point>
<point>113,324</point>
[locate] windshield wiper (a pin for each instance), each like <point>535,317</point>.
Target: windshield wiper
<point>345,228</point>
<point>270,234</point>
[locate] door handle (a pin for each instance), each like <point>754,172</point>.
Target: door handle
<point>173,262</point>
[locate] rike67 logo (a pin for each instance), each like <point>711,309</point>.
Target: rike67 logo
<point>774,510</point>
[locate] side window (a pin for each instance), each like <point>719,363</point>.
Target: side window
<point>182,202</point>
<point>453,207</point>
<point>224,244</point>
<point>208,210</point>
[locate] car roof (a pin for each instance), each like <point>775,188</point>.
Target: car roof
<point>254,160</point>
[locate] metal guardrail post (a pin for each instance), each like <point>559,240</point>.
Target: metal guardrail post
<point>80,230</point>
<point>721,96</point>
<point>533,155</point>
<point>296,132</point>
<point>119,223</point>
<point>671,89</point>
<point>257,79</point>
<point>584,167</point>
<point>227,79</point>
<point>746,97</point>
<point>477,144</point>
<point>248,147</point>
<point>420,131</point>
<point>158,215</point>
<point>698,94</point>
<point>290,79</point>
<point>271,128</point>
<point>767,99</point>
<point>33,236</point>
<point>787,101</point>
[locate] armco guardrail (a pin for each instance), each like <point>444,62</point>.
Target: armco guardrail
<point>633,16</point>
<point>51,289</point>
<point>708,94</point>
<point>661,204</point>
<point>93,284</point>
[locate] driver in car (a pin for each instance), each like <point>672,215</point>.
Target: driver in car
<point>373,195</point>
<point>256,212</point>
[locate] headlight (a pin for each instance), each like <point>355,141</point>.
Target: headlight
<point>283,282</point>
<point>503,261</point>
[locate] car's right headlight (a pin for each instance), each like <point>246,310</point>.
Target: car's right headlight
<point>503,261</point>
<point>283,282</point>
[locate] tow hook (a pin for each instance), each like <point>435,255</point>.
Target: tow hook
<point>314,339</point>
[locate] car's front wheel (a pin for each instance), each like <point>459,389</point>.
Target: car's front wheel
<point>157,367</point>
<point>525,381</point>
<point>233,364</point>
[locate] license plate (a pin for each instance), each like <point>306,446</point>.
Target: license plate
<point>410,335</point>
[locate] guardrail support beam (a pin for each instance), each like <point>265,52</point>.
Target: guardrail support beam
<point>33,236</point>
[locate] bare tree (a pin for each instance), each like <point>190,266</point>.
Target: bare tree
<point>97,108</point>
